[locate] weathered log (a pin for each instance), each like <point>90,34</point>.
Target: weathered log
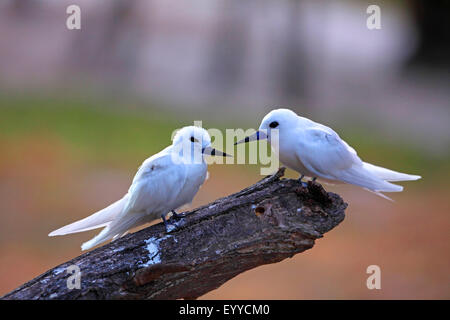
<point>267,222</point>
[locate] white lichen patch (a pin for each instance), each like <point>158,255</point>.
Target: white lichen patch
<point>118,249</point>
<point>172,226</point>
<point>154,252</point>
<point>59,270</point>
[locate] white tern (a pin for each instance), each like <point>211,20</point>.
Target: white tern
<point>316,151</point>
<point>163,183</point>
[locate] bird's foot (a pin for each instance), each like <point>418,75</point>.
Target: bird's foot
<point>169,226</point>
<point>177,215</point>
<point>303,184</point>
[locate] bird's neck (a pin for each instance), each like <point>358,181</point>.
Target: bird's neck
<point>188,155</point>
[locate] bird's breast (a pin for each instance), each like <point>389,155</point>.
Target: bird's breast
<point>290,158</point>
<point>195,176</point>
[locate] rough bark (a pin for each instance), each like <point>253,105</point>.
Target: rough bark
<point>265,223</point>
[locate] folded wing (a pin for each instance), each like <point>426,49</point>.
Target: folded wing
<point>155,187</point>
<point>324,153</point>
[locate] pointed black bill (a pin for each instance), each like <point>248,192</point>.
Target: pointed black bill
<point>214,152</point>
<point>258,135</point>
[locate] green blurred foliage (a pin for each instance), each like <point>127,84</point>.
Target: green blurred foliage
<point>101,130</point>
<point>97,130</point>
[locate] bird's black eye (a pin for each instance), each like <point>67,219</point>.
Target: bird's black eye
<point>193,139</point>
<point>273,124</point>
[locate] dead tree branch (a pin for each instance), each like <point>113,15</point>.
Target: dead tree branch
<point>267,222</point>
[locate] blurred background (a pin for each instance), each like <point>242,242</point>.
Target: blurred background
<point>81,109</point>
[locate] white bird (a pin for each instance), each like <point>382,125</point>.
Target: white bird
<point>316,151</point>
<point>163,183</point>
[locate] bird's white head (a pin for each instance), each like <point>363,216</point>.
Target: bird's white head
<point>195,137</point>
<point>192,143</point>
<point>279,119</point>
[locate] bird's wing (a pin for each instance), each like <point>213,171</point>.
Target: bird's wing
<point>324,153</point>
<point>156,185</point>
<point>136,199</point>
<point>158,181</point>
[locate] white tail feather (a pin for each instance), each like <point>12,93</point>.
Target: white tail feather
<point>389,175</point>
<point>94,221</point>
<point>115,229</point>
<point>361,176</point>
<point>380,194</point>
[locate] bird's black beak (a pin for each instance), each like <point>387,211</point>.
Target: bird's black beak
<point>258,135</point>
<point>214,152</point>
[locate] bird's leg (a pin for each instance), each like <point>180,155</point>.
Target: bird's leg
<point>163,217</point>
<point>303,184</point>
<point>170,226</point>
<point>177,215</point>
